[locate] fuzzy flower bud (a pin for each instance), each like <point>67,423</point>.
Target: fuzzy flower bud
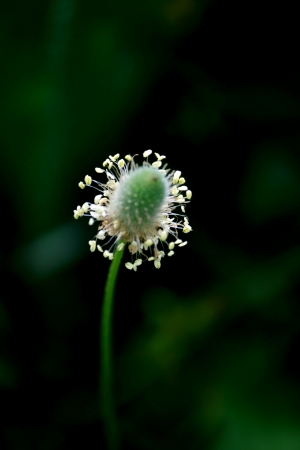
<point>139,199</point>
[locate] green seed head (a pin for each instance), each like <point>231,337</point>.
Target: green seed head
<point>139,199</point>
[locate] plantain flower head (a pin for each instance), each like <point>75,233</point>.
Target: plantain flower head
<point>135,206</point>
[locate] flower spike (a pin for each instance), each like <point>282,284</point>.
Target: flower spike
<point>136,207</point>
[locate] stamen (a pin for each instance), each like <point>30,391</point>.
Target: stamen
<point>88,180</point>
<point>147,153</point>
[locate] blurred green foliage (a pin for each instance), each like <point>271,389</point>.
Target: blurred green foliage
<point>206,348</point>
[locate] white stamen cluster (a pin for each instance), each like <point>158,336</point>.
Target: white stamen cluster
<point>118,211</point>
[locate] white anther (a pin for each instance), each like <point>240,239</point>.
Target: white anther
<point>181,180</point>
<point>100,249</point>
<point>178,241</point>
<point>111,256</point>
<point>189,195</point>
<point>156,164</point>
<point>97,199</point>
<point>78,212</point>
<point>148,242</point>
<point>187,229</point>
<point>176,176</point>
<point>81,185</point>
<point>128,157</point>
<point>171,253</point>
<point>137,262</point>
<point>147,153</point>
<point>101,235</point>
<point>121,163</point>
<point>106,254</point>
<point>182,208</point>
<point>104,164</point>
<point>85,207</point>
<point>92,245</point>
<point>171,245</point>
<point>91,221</point>
<point>117,156</point>
<point>157,264</point>
<point>120,246</point>
<point>180,198</point>
<point>159,157</point>
<point>99,170</point>
<point>182,244</point>
<point>151,258</point>
<point>88,180</point>
<point>129,266</point>
<point>174,190</point>
<point>163,235</point>
<point>183,188</point>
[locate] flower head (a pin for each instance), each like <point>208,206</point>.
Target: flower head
<point>136,207</point>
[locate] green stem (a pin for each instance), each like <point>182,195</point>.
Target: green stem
<point>106,387</point>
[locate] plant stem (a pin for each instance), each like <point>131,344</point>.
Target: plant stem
<point>106,383</point>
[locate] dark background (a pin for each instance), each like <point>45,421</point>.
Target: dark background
<point>206,347</point>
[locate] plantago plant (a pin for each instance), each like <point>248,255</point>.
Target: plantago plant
<point>141,208</point>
